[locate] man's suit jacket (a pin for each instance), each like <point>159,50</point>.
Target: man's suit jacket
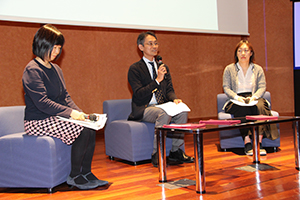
<point>143,87</point>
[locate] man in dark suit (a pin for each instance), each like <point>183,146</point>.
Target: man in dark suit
<point>151,85</point>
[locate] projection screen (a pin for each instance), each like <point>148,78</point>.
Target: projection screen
<point>203,16</point>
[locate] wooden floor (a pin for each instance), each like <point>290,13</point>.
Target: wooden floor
<point>223,179</point>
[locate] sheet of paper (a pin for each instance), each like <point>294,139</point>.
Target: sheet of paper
<point>252,103</point>
<point>96,125</point>
<point>173,109</point>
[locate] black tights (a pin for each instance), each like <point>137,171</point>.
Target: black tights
<point>82,152</point>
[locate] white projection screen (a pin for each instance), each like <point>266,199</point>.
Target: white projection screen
<point>203,16</point>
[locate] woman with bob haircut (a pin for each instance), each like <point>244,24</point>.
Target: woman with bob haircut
<point>46,97</point>
<point>245,82</point>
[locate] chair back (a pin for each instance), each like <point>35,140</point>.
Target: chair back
<point>11,119</point>
<point>117,109</point>
<point>221,100</point>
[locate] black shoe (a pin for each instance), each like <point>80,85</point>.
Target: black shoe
<point>93,179</point>
<point>86,185</point>
<point>154,159</point>
<point>180,156</point>
<point>248,149</point>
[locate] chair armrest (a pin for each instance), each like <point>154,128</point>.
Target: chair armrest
<point>274,113</point>
<point>11,119</point>
<point>223,115</point>
<point>117,109</point>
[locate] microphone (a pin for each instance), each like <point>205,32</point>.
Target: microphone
<point>159,60</point>
<point>91,117</point>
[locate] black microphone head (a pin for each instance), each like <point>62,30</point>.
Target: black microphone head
<point>93,117</point>
<point>159,58</point>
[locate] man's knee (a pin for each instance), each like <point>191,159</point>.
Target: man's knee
<point>180,118</point>
<point>163,117</point>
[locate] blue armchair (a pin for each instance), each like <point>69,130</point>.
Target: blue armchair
<point>233,138</point>
<point>127,140</point>
<point>30,161</point>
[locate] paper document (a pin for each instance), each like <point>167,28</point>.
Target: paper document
<point>96,125</point>
<point>252,103</point>
<point>173,109</point>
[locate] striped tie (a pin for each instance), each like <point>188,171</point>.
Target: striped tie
<point>158,93</point>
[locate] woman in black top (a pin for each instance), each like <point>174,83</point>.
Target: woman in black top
<point>46,97</point>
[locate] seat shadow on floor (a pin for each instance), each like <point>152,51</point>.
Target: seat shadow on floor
<point>240,151</point>
<point>64,187</point>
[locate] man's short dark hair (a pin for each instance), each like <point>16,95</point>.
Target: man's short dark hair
<point>45,39</point>
<point>143,35</point>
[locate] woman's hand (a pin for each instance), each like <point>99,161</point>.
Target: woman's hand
<point>246,100</point>
<point>75,114</point>
<point>252,99</point>
<point>241,99</point>
<point>177,101</point>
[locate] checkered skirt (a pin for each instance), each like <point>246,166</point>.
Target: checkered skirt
<point>67,132</point>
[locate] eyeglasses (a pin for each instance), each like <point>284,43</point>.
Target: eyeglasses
<point>152,43</point>
<point>243,50</point>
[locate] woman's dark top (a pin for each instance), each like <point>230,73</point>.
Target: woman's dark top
<point>45,92</point>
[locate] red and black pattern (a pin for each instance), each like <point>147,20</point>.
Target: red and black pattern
<point>63,130</point>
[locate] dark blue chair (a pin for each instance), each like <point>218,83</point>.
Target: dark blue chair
<point>30,161</point>
<point>232,138</point>
<point>128,140</point>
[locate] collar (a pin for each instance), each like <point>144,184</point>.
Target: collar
<point>237,66</point>
<point>146,60</point>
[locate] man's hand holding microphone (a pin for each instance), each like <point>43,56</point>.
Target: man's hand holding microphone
<point>161,71</point>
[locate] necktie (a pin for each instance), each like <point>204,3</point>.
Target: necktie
<point>158,92</point>
<point>153,71</point>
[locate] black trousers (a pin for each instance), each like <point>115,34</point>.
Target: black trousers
<point>261,108</point>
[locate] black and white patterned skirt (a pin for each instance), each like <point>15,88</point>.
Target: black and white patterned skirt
<point>67,132</point>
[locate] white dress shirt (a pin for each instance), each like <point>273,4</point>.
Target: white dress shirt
<point>153,99</point>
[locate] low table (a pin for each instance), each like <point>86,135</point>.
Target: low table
<point>161,133</point>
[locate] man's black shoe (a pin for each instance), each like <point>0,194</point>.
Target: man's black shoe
<point>179,155</point>
<point>154,159</point>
